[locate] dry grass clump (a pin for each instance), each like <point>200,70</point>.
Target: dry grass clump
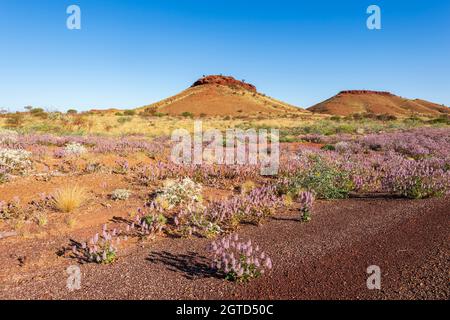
<point>69,198</point>
<point>247,187</point>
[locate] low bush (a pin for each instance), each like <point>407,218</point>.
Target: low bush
<point>306,200</point>
<point>14,161</point>
<point>101,248</point>
<point>176,192</point>
<point>74,149</point>
<point>120,194</point>
<point>322,177</point>
<point>238,260</point>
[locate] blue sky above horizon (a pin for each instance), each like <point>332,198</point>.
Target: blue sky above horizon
<point>135,52</point>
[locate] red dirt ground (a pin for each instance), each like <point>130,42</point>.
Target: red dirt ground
<point>324,259</point>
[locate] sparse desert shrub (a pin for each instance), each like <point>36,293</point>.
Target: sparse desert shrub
<point>122,167</point>
<point>74,149</point>
<point>386,117</point>
<point>36,110</point>
<point>328,147</point>
<point>123,120</point>
<point>93,167</point>
<point>149,111</point>
<point>15,161</point>
<point>238,260</point>
<point>306,200</point>
<point>8,137</point>
<point>4,177</point>
<point>120,194</point>
<point>39,113</point>
<point>41,219</point>
<point>147,222</point>
<point>443,119</point>
<point>225,215</point>
<point>129,112</point>
<point>72,111</point>
<point>69,198</point>
<point>176,192</point>
<point>326,180</point>
<point>195,220</point>
<point>100,248</point>
<point>15,120</point>
<point>43,202</point>
<point>187,114</point>
<point>247,187</point>
<point>341,146</point>
<point>10,210</point>
<point>313,138</point>
<point>336,118</point>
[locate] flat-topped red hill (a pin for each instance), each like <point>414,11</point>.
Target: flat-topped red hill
<point>350,102</point>
<point>218,95</point>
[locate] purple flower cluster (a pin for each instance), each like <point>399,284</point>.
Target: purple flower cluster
<point>122,167</point>
<point>10,209</point>
<point>98,144</point>
<point>306,200</point>
<point>238,260</point>
<point>207,174</point>
<point>414,164</point>
<point>147,222</point>
<point>100,248</point>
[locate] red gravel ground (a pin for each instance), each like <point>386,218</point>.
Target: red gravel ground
<point>324,259</point>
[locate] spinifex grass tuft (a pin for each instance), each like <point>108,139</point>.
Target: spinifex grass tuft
<point>69,198</point>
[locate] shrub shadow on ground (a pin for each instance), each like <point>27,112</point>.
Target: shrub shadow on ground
<point>192,265</point>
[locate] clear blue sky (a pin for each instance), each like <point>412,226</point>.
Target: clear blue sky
<point>134,52</point>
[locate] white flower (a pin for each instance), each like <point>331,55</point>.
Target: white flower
<point>74,148</point>
<point>177,192</point>
<point>8,136</point>
<point>120,194</point>
<point>15,160</point>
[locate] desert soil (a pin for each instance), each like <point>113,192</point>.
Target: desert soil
<point>324,259</point>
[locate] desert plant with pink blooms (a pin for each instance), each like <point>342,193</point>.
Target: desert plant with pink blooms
<point>100,248</point>
<point>306,200</point>
<point>237,260</point>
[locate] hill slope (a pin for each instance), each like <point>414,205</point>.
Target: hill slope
<point>377,102</point>
<point>221,96</point>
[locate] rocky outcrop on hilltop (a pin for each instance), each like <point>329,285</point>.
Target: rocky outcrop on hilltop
<point>381,93</point>
<point>224,81</point>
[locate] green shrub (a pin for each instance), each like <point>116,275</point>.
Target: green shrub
<point>14,120</point>
<point>129,113</point>
<point>36,110</point>
<point>328,147</point>
<point>122,120</point>
<point>187,114</point>
<point>322,178</point>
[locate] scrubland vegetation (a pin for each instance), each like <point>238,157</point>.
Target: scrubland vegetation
<point>86,162</point>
